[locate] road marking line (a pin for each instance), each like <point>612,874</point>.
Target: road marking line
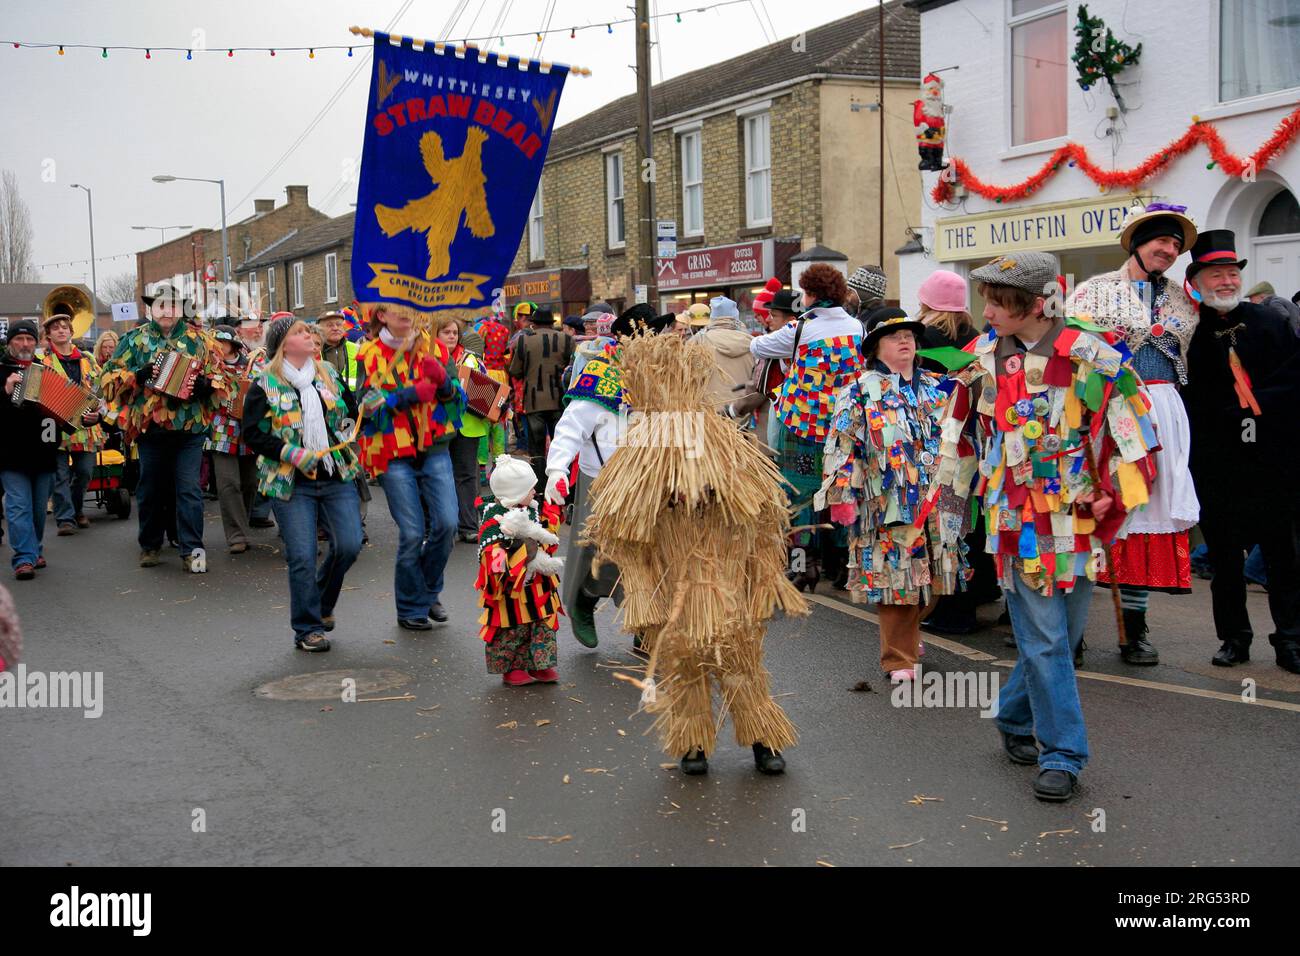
<point>970,653</point>
<point>952,647</point>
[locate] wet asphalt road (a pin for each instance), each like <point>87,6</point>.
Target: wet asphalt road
<point>473,772</point>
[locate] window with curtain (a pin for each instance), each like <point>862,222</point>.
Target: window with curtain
<point>1259,47</point>
<point>1040,66</point>
<point>536,233</point>
<point>615,234</point>
<point>758,170</point>
<point>252,289</point>
<point>270,290</point>
<point>297,285</point>
<point>692,184</point>
<point>332,277</point>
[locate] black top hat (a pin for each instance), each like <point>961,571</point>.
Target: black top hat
<point>784,301</point>
<point>1214,247</point>
<point>885,321</point>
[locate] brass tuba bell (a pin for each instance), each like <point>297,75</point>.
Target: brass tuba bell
<point>70,300</point>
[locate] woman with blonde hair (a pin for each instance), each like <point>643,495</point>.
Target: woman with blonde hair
<point>105,345</point>
<point>295,418</point>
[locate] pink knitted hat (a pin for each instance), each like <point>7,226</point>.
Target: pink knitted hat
<point>943,291</point>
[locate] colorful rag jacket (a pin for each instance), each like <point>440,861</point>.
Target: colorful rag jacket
<point>86,437</point>
<point>224,436</point>
<point>881,455</point>
<point>141,409</point>
<point>1016,431</point>
<point>600,381</point>
<point>819,370</point>
<point>509,593</point>
<point>283,420</point>
<point>399,428</point>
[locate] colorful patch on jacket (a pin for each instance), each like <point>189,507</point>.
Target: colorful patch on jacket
<point>601,382</point>
<point>819,371</point>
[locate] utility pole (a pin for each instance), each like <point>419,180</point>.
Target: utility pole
<point>647,231</point>
<point>880,6</point>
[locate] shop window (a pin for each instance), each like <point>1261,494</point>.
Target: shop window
<point>615,237</point>
<point>1039,68</point>
<point>758,170</point>
<point>536,233</point>
<point>1258,40</point>
<point>1281,217</point>
<point>692,184</point>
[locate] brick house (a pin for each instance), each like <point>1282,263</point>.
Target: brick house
<point>756,158</point>
<point>307,272</point>
<point>185,258</point>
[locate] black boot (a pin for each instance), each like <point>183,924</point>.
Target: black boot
<point>1234,651</point>
<point>1138,650</point>
<point>1288,653</point>
<point>695,763</point>
<point>1078,654</point>
<point>768,761</point>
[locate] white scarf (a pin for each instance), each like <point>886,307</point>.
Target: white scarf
<point>314,434</point>
<point>394,343</point>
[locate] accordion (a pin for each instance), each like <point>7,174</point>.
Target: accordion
<point>485,396</point>
<point>61,397</point>
<point>174,374</point>
<point>234,405</point>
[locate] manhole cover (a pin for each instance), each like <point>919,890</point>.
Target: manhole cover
<point>328,685</point>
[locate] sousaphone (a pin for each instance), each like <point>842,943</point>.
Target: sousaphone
<point>70,300</point>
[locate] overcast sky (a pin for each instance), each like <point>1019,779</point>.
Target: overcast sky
<point>112,124</point>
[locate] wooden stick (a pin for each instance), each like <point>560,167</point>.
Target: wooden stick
<point>375,700</point>
<point>1091,458</point>
<point>463,49</point>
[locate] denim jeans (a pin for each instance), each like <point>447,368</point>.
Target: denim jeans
<point>1041,697</point>
<point>70,484</point>
<point>314,589</point>
<point>169,466</point>
<point>422,546</point>
<point>25,498</point>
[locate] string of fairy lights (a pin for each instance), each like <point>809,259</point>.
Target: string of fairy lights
<point>229,52</point>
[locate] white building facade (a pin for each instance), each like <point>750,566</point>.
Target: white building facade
<point>1013,99</point>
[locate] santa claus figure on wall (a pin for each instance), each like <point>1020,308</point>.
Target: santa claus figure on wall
<point>927,116</point>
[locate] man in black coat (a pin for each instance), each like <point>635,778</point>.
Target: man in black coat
<point>29,449</point>
<point>1243,399</point>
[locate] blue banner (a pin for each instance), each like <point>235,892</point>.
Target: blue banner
<point>453,151</point>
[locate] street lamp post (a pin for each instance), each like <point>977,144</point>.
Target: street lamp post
<point>162,230</point>
<point>94,285</point>
<point>225,249</point>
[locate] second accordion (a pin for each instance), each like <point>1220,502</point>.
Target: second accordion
<point>174,374</point>
<point>484,396</point>
<point>61,397</point>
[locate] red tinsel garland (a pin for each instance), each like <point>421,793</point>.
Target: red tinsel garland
<point>1077,155</point>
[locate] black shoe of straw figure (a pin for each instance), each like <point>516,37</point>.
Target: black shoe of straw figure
<point>768,761</point>
<point>695,763</point>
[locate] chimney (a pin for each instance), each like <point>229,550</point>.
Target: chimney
<point>263,205</point>
<point>297,194</point>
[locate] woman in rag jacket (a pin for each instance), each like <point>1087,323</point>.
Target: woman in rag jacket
<point>822,348</point>
<point>298,417</point>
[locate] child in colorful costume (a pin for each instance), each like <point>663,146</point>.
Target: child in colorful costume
<point>518,577</point>
<point>1061,453</point>
<point>880,462</point>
